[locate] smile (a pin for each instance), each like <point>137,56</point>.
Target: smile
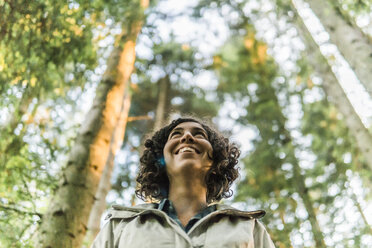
<point>187,149</point>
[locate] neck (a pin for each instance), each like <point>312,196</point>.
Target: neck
<point>188,197</point>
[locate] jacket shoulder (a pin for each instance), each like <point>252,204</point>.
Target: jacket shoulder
<point>256,214</point>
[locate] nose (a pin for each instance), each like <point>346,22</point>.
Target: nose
<point>187,137</point>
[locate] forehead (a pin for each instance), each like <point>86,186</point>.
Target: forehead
<point>189,126</point>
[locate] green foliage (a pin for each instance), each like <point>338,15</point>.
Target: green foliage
<point>269,181</point>
<point>46,50</point>
<point>336,155</point>
<point>244,69</point>
<point>43,43</point>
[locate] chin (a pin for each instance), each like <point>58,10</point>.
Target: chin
<point>190,167</point>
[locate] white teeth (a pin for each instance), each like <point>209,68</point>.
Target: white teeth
<point>186,149</point>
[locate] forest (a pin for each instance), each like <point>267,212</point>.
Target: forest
<point>84,82</point>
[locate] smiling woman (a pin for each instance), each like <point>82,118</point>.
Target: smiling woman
<point>153,178</point>
<point>186,168</point>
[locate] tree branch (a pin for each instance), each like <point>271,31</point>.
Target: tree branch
<point>20,211</point>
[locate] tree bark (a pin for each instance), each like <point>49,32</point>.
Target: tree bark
<point>163,89</point>
<point>352,43</point>
<point>104,186</point>
<point>65,222</point>
<point>335,92</point>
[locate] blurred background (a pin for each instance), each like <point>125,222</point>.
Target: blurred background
<point>289,81</point>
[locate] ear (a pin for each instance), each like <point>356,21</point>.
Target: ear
<point>161,161</point>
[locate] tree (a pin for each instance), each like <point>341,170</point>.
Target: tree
<point>163,101</point>
<point>64,224</point>
<point>45,51</point>
<point>104,186</point>
<point>241,64</point>
<point>354,47</point>
<point>323,112</point>
<point>333,89</point>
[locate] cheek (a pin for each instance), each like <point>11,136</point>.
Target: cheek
<point>167,159</point>
<point>209,149</point>
<point>167,152</point>
<point>208,158</point>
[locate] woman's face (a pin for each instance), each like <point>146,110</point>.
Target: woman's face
<point>188,151</point>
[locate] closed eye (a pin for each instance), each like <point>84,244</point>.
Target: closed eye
<point>200,134</point>
<point>175,133</point>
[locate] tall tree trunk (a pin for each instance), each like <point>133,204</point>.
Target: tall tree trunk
<point>104,186</point>
<point>335,92</point>
<point>163,90</point>
<point>65,223</point>
<point>352,43</point>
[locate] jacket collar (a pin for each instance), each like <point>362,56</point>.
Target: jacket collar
<point>119,211</point>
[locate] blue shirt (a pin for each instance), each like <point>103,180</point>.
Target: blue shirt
<point>167,206</point>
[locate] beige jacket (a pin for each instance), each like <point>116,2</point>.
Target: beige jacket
<point>145,226</point>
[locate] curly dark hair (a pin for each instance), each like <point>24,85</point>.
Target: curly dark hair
<point>152,179</point>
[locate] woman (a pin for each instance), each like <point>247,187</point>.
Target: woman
<point>186,167</point>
